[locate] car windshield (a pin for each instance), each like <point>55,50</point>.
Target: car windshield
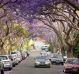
<point>3,58</point>
<point>13,52</point>
<point>73,61</point>
<point>57,56</point>
<point>41,57</point>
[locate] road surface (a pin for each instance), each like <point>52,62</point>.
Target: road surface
<point>27,67</point>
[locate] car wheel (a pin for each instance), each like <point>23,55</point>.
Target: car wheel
<point>62,63</point>
<point>13,65</point>
<point>53,63</point>
<point>65,71</point>
<point>2,71</point>
<point>34,65</point>
<point>10,68</point>
<point>48,66</point>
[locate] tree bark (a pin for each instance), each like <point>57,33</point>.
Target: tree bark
<point>70,52</point>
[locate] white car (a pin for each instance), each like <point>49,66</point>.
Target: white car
<point>14,59</point>
<point>16,56</point>
<point>44,53</point>
<point>19,56</point>
<point>42,61</point>
<point>64,58</point>
<point>6,61</point>
<point>24,55</point>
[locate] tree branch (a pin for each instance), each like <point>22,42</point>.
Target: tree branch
<point>73,3</point>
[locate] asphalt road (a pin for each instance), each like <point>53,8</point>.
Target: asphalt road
<point>27,67</point>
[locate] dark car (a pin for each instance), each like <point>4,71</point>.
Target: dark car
<point>1,68</point>
<point>71,65</point>
<point>42,61</point>
<point>56,59</point>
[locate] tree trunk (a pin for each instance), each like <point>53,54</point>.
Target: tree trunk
<point>70,52</point>
<point>63,51</point>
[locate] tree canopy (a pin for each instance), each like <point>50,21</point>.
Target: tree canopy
<point>62,12</point>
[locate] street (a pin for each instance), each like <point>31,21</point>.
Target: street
<point>30,28</point>
<point>27,67</point>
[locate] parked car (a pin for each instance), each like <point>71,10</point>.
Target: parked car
<point>16,56</point>
<point>13,56</point>
<point>1,68</point>
<point>7,63</point>
<point>27,54</point>
<point>24,55</point>
<point>43,53</point>
<point>56,59</point>
<point>64,58</point>
<point>42,61</point>
<point>71,65</point>
<point>19,56</point>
